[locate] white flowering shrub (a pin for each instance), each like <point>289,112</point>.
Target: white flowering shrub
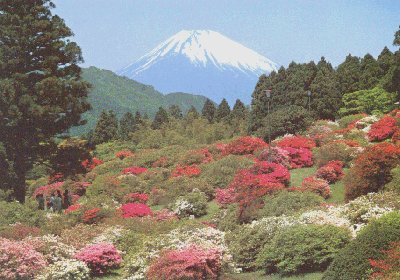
<point>66,270</point>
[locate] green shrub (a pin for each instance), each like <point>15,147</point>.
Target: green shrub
<point>303,248</point>
<point>106,151</point>
<point>13,212</point>
<point>220,173</point>
<point>194,203</point>
<point>352,262</point>
<point>346,120</point>
<point>332,151</point>
<point>394,185</point>
<point>289,203</point>
<point>228,218</point>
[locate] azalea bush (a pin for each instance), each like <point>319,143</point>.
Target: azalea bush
<point>123,154</point>
<point>225,196</point>
<point>331,172</point>
<point>194,203</point>
<point>136,197</point>
<point>299,158</point>
<point>190,263</point>
<point>273,172</point>
<point>47,190</point>
<point>132,210</point>
<point>134,170</point>
<point>90,164</point>
<point>275,155</point>
<point>72,208</point>
<point>244,145</point>
<point>66,270</point>
<point>19,260</point>
<point>372,170</point>
<point>92,216</point>
<point>383,129</point>
<point>297,142</point>
<point>388,267</point>
<point>19,231</point>
<point>198,157</point>
<point>100,258</point>
<point>316,185</point>
<point>188,171</point>
<point>335,150</point>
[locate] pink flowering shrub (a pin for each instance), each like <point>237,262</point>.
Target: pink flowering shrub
<point>299,158</point>
<point>331,172</point>
<point>72,208</point>
<point>134,170</point>
<point>136,197</point>
<point>383,129</point>
<point>19,260</point>
<point>90,164</point>
<point>165,215</point>
<point>47,190</point>
<point>244,145</point>
<point>191,263</point>
<point>276,155</point>
<point>188,171</point>
<point>161,162</point>
<point>100,258</point>
<point>123,154</point>
<point>316,185</point>
<point>19,231</point>
<point>297,142</point>
<point>225,196</point>
<point>273,172</point>
<point>132,210</point>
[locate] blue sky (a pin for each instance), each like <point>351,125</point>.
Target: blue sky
<point>115,33</point>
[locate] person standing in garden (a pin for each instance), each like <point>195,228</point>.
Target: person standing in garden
<point>67,199</point>
<point>57,207</point>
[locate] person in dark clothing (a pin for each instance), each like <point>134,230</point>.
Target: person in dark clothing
<point>67,199</point>
<point>40,200</point>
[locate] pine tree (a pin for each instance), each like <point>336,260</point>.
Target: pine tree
<point>175,112</point>
<point>209,111</point>
<point>41,92</point>
<point>385,60</point>
<point>371,73</point>
<point>160,118</point>
<point>223,111</point>
<point>391,81</point>
<point>106,128</point>
<point>192,113</point>
<point>239,111</point>
<point>348,74</point>
<point>127,125</point>
<point>138,119</point>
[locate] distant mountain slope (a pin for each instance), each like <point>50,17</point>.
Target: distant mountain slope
<point>112,92</point>
<point>203,62</point>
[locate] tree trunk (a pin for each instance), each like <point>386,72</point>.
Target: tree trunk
<point>20,184</point>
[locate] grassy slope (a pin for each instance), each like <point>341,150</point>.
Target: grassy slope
<point>112,92</point>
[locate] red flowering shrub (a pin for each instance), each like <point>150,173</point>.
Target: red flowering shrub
<point>198,157</point>
<point>123,154</point>
<point>90,164</point>
<point>350,143</point>
<point>191,263</point>
<point>136,197</point>
<point>75,198</point>
<point>396,137</point>
<point>91,216</point>
<point>273,172</point>
<point>297,142</point>
<point>316,185</point>
<point>47,190</point>
<point>165,215</point>
<point>331,172</point>
<point>100,258</point>
<point>244,145</point>
<point>299,158</point>
<point>382,129</point>
<point>225,196</point>
<point>188,171</point>
<point>371,170</point>
<point>56,177</point>
<point>132,210</point>
<point>134,170</point>
<point>387,268</point>
<point>19,260</point>
<point>161,162</point>
<point>276,155</point>
<point>72,208</point>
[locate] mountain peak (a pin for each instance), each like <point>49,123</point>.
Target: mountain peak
<point>195,52</point>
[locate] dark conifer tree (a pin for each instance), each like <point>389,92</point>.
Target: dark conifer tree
<point>175,112</point>
<point>192,113</point>
<point>209,110</point>
<point>41,92</point>
<point>127,125</point>
<point>223,110</point>
<point>239,111</point>
<point>391,82</point>
<point>371,73</point>
<point>106,128</point>
<point>160,118</point>
<point>138,119</point>
<point>385,60</point>
<point>348,74</point>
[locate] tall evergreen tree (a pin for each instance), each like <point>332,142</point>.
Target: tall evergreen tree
<point>175,112</point>
<point>239,111</point>
<point>348,74</point>
<point>391,81</point>
<point>138,119</point>
<point>160,118</point>
<point>127,125</point>
<point>223,110</point>
<point>259,103</point>
<point>41,93</point>
<point>209,110</point>
<point>371,73</point>
<point>385,60</point>
<point>106,128</point>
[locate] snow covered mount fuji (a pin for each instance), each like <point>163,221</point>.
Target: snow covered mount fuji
<point>201,62</point>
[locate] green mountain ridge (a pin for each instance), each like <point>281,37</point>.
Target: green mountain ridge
<point>120,94</point>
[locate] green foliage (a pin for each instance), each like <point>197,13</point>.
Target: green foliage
<point>292,119</point>
<point>160,118</point>
<point>13,212</point>
<point>289,203</point>
<point>106,128</point>
<point>127,125</point>
<point>373,101</point>
<point>175,112</point>
<point>209,111</point>
<point>239,111</point>
<point>348,74</point>
<point>352,262</point>
<point>220,173</point>
<point>371,73</point>
<point>332,151</point>
<point>303,248</point>
<point>223,111</point>
<point>41,93</point>
<point>197,207</point>
<point>394,184</point>
<point>346,120</point>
